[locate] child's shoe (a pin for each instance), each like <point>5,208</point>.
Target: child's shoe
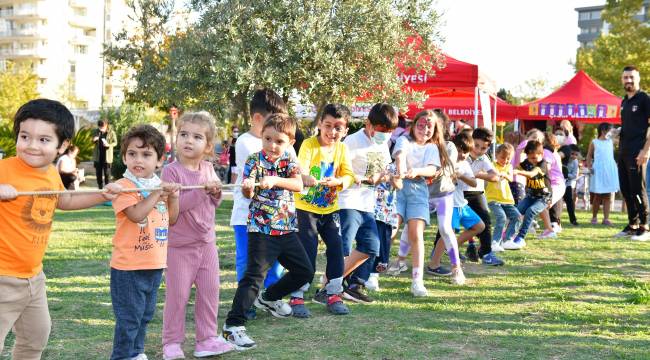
<point>439,271</point>
<point>472,252</point>
<point>457,276</point>
<point>418,289</point>
<point>594,221</point>
<point>496,247</point>
<point>373,282</point>
<point>548,234</point>
<point>142,356</point>
<point>236,335</point>
<point>356,293</point>
<point>277,308</point>
<point>298,308</point>
<point>556,227</point>
<point>396,267</point>
<point>170,352</point>
<point>490,259</point>
<point>336,306</point>
<point>212,346</point>
<point>606,222</point>
<point>320,297</point>
<point>515,244</point>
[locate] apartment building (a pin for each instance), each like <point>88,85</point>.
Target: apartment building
<point>61,41</point>
<point>592,25</point>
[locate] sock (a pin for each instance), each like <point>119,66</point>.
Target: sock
<point>417,274</point>
<point>334,286</point>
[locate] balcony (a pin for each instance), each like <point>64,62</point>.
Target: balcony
<point>31,53</point>
<point>78,3</point>
<point>83,22</point>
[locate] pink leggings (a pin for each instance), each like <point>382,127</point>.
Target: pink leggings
<point>186,266</point>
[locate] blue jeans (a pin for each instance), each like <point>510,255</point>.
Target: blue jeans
<point>530,207</point>
<point>241,258</point>
<point>133,294</point>
<point>359,225</point>
<point>503,212</point>
<point>385,231</point>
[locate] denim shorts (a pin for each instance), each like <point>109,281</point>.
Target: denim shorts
<point>362,227</point>
<point>413,201</point>
<point>464,216</point>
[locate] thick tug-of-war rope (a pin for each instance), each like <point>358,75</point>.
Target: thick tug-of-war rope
<point>101,191</point>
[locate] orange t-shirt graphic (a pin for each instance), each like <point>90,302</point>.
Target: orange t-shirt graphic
<point>26,222</point>
<point>139,246</point>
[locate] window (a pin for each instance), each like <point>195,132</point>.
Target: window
<point>594,30</point>
<point>81,49</point>
<point>73,68</point>
<point>595,15</point>
<point>80,11</point>
<point>584,30</point>
<point>584,16</point>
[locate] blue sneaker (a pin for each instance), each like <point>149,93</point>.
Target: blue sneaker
<point>492,260</point>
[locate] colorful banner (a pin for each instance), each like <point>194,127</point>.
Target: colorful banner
<point>599,111</point>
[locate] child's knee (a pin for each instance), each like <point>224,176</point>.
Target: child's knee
<point>479,227</point>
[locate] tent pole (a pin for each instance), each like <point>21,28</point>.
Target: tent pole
<point>475,107</point>
<point>494,125</point>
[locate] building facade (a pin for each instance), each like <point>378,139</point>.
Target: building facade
<point>592,25</point>
<point>62,42</point>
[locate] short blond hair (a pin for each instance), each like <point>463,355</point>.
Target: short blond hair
<point>202,118</point>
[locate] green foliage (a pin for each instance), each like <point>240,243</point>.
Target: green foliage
<point>321,50</point>
<point>7,139</point>
<point>83,139</point>
<point>17,86</point>
<point>627,43</point>
<point>122,118</point>
<point>641,294</point>
<point>589,132</point>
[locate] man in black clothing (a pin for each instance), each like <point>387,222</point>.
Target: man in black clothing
<point>634,151</point>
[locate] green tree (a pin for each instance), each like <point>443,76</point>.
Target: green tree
<point>626,43</point>
<point>18,84</point>
<point>319,50</point>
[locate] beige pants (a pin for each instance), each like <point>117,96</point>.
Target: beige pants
<point>23,308</point>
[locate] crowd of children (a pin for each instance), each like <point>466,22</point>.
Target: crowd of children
<point>351,191</point>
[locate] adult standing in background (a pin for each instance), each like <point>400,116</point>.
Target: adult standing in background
<point>567,128</point>
<point>232,156</point>
<point>105,140</point>
<point>634,147</point>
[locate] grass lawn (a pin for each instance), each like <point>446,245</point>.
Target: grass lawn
<point>583,296</point>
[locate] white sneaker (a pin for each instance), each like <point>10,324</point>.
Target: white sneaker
<point>457,276</point>
<point>514,245</point>
<point>373,282</point>
<point>237,336</point>
<point>277,308</point>
<point>641,235</point>
<point>556,227</point>
<point>418,289</point>
<point>548,235</point>
<point>396,267</point>
<point>496,247</point>
<point>142,356</point>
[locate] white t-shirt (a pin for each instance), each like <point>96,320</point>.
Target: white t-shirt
<point>66,164</point>
<point>246,145</point>
<point>462,167</point>
<point>480,164</point>
<point>417,156</point>
<point>367,158</point>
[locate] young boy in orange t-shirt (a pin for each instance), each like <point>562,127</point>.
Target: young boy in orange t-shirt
<point>140,241</point>
<point>43,129</point>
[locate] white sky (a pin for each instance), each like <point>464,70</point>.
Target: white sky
<point>514,40</point>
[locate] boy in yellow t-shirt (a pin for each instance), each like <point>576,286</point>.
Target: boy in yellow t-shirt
<point>43,130</point>
<point>326,171</point>
<point>500,199</point>
<point>140,242</point>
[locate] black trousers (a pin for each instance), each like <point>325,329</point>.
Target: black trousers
<point>263,250</point>
<point>328,226</point>
<point>632,180</point>
<point>477,201</point>
<point>103,171</point>
<point>555,213</point>
<point>570,204</point>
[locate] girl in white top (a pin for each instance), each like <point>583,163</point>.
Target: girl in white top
<point>417,159</point>
<point>67,167</point>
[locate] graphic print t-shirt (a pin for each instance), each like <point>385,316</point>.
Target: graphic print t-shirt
<point>322,199</point>
<point>538,186</point>
<point>271,211</point>
<point>143,245</point>
<point>25,222</point>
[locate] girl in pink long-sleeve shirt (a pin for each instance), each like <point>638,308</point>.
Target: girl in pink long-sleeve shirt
<point>191,253</point>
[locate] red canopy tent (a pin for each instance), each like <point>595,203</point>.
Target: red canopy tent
<point>460,105</point>
<point>580,99</point>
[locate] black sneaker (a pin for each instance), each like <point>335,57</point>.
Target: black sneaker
<point>472,252</point>
<point>320,297</point>
<point>357,294</point>
<point>439,271</point>
<point>574,223</point>
<point>627,231</point>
